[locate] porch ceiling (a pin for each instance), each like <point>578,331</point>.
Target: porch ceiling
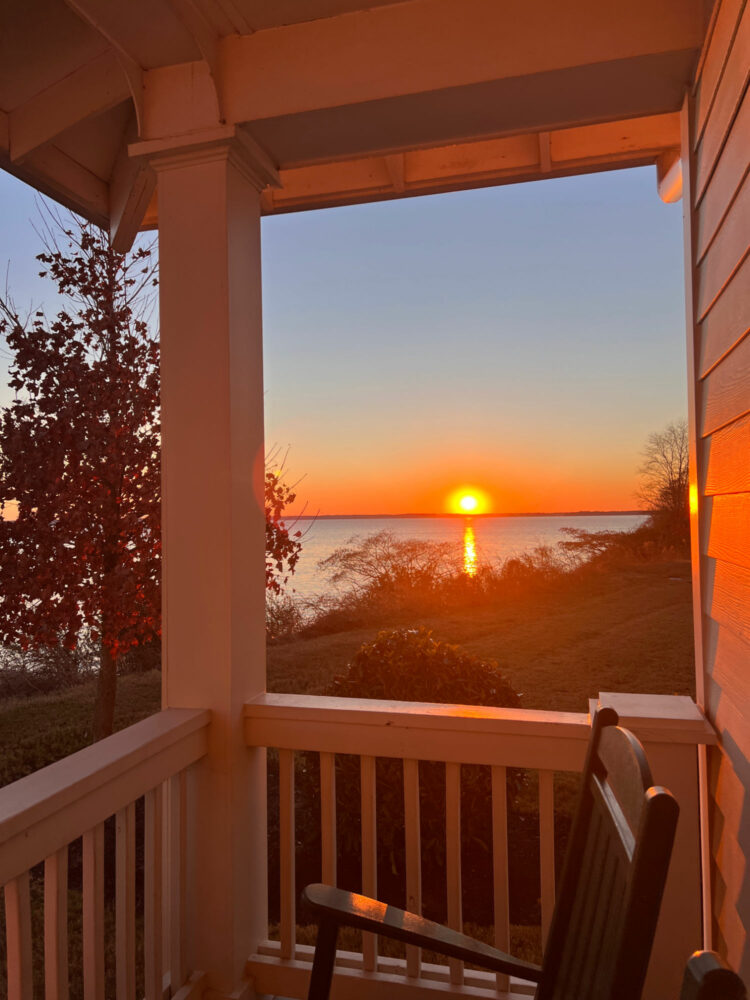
<point>352,91</point>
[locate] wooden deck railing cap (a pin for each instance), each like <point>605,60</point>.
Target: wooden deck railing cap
<point>467,734</point>
<point>45,810</point>
<point>668,718</point>
<point>426,714</point>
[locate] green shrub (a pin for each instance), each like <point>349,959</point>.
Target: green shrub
<point>409,665</point>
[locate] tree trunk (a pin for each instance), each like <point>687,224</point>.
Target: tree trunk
<point>104,710</point>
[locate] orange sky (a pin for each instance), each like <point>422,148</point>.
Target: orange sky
<point>425,488</point>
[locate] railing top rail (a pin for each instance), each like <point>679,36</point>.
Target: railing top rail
<point>49,808</point>
<point>468,734</point>
<point>458,733</point>
<point>425,715</point>
<point>659,718</point>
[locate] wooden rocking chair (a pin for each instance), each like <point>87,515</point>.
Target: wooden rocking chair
<point>606,910</point>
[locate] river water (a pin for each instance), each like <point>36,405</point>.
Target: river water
<point>477,540</point>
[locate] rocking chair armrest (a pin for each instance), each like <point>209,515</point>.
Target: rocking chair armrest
<point>341,908</point>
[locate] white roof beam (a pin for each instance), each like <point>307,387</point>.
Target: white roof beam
<point>103,18</point>
<point>59,176</point>
<point>131,189</point>
<point>89,90</point>
<point>477,164</point>
<point>669,175</point>
<point>204,36</point>
<point>412,48</point>
<point>114,22</point>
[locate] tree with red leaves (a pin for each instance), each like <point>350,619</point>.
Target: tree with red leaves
<point>80,460</point>
<point>80,457</point>
<point>282,546</point>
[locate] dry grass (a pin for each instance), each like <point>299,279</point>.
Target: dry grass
<point>620,629</point>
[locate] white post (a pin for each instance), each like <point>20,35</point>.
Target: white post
<point>671,727</point>
<point>213,524</point>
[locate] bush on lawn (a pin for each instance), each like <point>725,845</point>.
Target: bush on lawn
<point>410,665</point>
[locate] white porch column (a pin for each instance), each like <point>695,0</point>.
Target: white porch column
<point>213,523</point>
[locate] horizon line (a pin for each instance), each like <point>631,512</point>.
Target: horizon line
<point>542,513</point>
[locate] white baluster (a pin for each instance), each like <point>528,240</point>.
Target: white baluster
<point>369,853</point>
<point>56,926</point>
<point>286,853</point>
<point>18,938</point>
<point>413,856</point>
<point>153,877</point>
<point>93,913</point>
<point>453,858</point>
<point>500,865</point>
<point>328,817</point>
<point>547,848</point>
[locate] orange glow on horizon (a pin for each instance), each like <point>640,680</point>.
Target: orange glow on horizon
<point>434,485</point>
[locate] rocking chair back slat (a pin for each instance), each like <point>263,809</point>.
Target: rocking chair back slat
<point>614,875</point>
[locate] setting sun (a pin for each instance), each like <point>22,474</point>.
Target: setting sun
<point>468,500</point>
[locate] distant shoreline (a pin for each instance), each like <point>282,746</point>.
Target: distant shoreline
<point>395,517</point>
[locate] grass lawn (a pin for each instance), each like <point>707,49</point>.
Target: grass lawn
<point>625,629</point>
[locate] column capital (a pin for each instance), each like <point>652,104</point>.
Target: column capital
<point>225,142</point>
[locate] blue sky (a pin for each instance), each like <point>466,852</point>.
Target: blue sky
<point>523,339</point>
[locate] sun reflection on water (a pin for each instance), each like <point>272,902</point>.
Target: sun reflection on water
<point>470,551</point>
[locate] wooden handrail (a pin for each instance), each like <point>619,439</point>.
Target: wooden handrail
<point>45,811</point>
<point>453,733</point>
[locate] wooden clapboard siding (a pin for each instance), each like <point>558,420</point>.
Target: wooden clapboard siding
<point>729,719</point>
<point>726,180</point>
<point>727,602</point>
<point>730,658</point>
<point>727,252</point>
<point>729,857</point>
<point>725,393</point>
<point>732,934</point>
<point>711,66</point>
<point>726,788</point>
<point>716,147</point>
<point>729,320</point>
<point>729,93</point>
<point>729,537</point>
<point>724,458</point>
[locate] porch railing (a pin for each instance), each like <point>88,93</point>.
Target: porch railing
<point>69,803</point>
<point>545,742</point>
<point>132,792</point>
